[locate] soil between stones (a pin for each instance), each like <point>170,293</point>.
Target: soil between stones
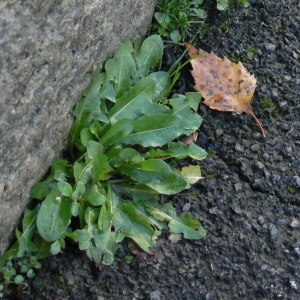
<point>248,202</point>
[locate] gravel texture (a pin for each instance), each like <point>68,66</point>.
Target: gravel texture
<point>248,202</point>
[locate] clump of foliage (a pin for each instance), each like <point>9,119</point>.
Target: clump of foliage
<point>175,18</point>
<point>124,144</point>
<point>17,271</point>
<point>224,4</point>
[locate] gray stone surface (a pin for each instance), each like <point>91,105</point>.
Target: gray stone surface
<point>48,50</point>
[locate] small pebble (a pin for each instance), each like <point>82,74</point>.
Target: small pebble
<point>276,177</point>
<point>238,187</point>
<point>261,220</point>
<point>274,94</point>
<point>297,178</point>
<point>295,223</point>
<point>203,108</point>
<point>260,165</point>
<point>207,296</point>
<point>282,222</point>
<point>272,142</point>
<point>247,225</point>
<point>219,132</point>
<point>257,135</point>
<point>264,267</point>
<point>236,209</point>
<point>293,284</point>
<point>215,211</point>
<point>285,126</point>
<point>69,277</point>
<point>239,148</point>
<point>202,140</point>
<point>273,232</point>
<point>155,295</point>
<point>297,251</point>
<point>283,103</point>
<point>270,47</point>
<point>289,149</point>
<point>255,147</point>
<point>295,55</point>
<point>186,207</point>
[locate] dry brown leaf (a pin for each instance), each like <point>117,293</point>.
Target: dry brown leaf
<point>189,139</point>
<point>224,85</point>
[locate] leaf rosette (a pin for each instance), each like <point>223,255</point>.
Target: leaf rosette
<point>124,135</point>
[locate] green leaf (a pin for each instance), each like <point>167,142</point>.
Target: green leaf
<point>83,237</point>
<point>117,131</point>
<point>108,91</point>
<point>8,255</point>
<point>190,228</point>
<point>112,156</point>
<point>95,129</point>
<point>156,174</point>
<point>100,166</point>
<point>24,239</point>
<point>190,100</point>
<point>154,130</point>
<point>134,103</point>
<point>137,191</point>
<point>80,235</point>
<point>197,2</point>
<point>75,209</point>
<point>43,247</point>
<point>175,36</point>
<point>88,109</point>
<point>65,188</point>
<point>60,170</point>
<point>91,214</point>
<point>162,81</point>
<point>55,248</point>
<point>94,149</point>
<point>200,13</point>
<point>79,190</point>
<point>222,4</point>
<point>94,197</point>
<point>85,136</point>
<point>149,54</point>
<point>107,210</point>
<point>178,150</point>
<point>191,173</point>
<point>41,189</point>
<point>106,247</point>
<point>245,3</point>
<point>162,18</point>
<point>182,108</point>
<point>130,155</point>
<point>19,279</point>
<point>54,216</point>
<point>82,172</point>
<point>105,218</point>
<point>121,68</point>
<point>134,225</point>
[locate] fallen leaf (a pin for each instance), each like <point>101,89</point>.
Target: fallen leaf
<point>189,139</point>
<point>225,86</point>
